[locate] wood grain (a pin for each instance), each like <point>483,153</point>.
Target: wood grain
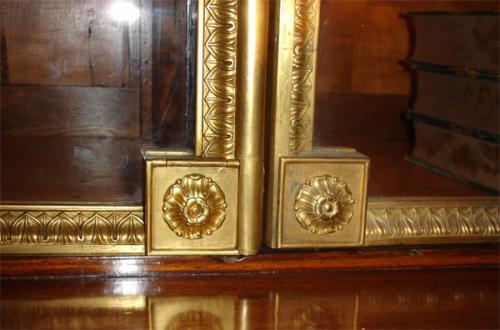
<point>77,98</point>
<point>69,111</point>
<point>63,43</point>
<point>267,262</point>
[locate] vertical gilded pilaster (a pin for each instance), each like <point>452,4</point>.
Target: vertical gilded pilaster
<point>294,36</point>
<point>252,60</point>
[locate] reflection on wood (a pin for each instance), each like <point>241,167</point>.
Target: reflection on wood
<point>416,299</point>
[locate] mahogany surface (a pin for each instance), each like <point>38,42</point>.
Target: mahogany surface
<point>266,262</point>
<point>417,299</point>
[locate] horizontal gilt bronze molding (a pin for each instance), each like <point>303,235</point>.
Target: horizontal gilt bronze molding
<point>83,229</point>
<point>432,221</point>
<point>75,229</point>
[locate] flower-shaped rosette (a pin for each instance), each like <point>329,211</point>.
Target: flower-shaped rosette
<point>324,205</point>
<point>194,206</point>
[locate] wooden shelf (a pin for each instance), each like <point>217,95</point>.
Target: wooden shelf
<point>267,262</point>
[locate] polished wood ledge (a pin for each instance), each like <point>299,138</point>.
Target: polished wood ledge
<point>266,262</point>
<point>398,299</point>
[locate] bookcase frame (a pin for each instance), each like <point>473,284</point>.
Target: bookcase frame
<point>234,133</point>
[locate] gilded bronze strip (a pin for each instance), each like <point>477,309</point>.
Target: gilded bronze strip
<point>71,229</point>
<point>252,60</point>
<point>294,36</point>
<point>305,40</point>
<point>432,221</point>
<point>216,78</point>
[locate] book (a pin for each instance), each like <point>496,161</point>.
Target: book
<point>457,155</point>
<point>467,40</point>
<point>462,102</point>
<point>455,115</point>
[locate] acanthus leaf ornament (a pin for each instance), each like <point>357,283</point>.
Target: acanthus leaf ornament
<point>194,206</point>
<point>217,81</point>
<point>71,226</point>
<point>324,205</point>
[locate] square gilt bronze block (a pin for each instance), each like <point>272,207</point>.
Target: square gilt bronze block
<point>322,201</point>
<point>191,206</point>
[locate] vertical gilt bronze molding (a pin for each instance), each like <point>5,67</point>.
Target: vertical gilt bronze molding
<point>231,71</point>
<point>294,38</point>
<point>232,58</point>
<point>216,78</point>
<point>305,40</point>
<point>252,60</point>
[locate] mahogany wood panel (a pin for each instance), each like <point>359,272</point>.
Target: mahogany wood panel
<point>420,299</point>
<point>69,111</point>
<point>346,118</point>
<point>170,73</point>
<point>267,262</point>
<point>361,43</point>
<point>70,169</point>
<point>66,43</point>
<point>146,69</point>
<point>392,176</point>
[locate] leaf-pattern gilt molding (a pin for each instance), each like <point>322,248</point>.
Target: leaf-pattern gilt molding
<point>71,225</point>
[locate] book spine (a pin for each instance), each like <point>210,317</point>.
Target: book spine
<point>445,124</point>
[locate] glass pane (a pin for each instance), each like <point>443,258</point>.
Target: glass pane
<point>363,90</point>
<point>85,85</point>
